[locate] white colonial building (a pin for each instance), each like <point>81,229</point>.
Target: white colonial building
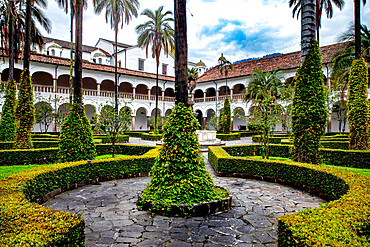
<point>137,84</point>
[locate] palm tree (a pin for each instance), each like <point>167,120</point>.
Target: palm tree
<point>224,66</point>
<point>321,5</point>
<point>262,83</point>
<point>342,60</point>
<point>192,78</point>
<point>357,8</point>
<point>115,10</point>
<point>181,53</point>
<point>77,83</point>
<point>308,25</point>
<point>158,33</point>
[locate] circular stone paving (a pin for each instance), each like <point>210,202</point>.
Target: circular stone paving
<point>112,218</point>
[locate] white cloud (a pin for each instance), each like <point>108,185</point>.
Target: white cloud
<point>268,22</point>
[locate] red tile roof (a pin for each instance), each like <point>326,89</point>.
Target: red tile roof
<point>67,44</point>
<point>284,61</point>
<point>87,65</point>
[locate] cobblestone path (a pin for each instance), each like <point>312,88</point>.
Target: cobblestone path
<point>112,218</point>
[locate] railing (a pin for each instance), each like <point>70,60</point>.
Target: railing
<point>43,89</point>
<point>90,92</point>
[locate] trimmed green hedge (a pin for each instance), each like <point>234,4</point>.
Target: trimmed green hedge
<point>136,133</point>
<point>147,136</point>
<point>50,155</point>
<point>325,144</point>
<point>337,157</point>
<point>272,139</point>
<point>228,137</point>
<point>28,224</point>
<point>341,222</point>
<point>45,139</point>
<point>36,144</point>
<point>119,138</point>
<point>33,136</point>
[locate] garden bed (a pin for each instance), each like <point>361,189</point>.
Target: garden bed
<point>28,224</point>
<point>344,221</point>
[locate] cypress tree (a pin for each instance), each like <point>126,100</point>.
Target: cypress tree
<point>358,105</point>
<point>25,113</point>
<point>309,111</point>
<point>8,120</point>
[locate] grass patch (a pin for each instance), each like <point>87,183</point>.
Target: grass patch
<point>108,156</point>
<point>270,158</point>
<point>10,170</point>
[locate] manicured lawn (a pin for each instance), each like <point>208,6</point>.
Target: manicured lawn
<point>9,170</point>
<point>364,172</point>
<point>107,156</point>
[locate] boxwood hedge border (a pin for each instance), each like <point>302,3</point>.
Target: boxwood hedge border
<point>26,223</point>
<point>343,221</point>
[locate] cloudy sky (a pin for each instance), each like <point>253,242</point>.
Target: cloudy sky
<point>238,28</point>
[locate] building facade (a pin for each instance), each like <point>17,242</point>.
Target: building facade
<point>137,82</point>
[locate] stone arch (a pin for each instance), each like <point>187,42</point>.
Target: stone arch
<point>239,119</point>
<point>211,121</point>
<point>62,113</point>
<point>5,74</point>
<point>238,89</point>
<point>169,92</point>
<point>142,89</point>
<point>199,117</point>
<point>198,94</point>
<point>141,120</point>
<point>43,117</point>
<point>89,83</point>
<point>107,85</point>
<point>90,111</point>
<point>224,90</point>
<point>211,92</point>
<point>125,87</point>
<point>42,78</point>
<point>339,121</point>
<point>153,91</point>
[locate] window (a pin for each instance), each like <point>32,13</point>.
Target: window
<point>52,52</point>
<point>141,64</point>
<point>164,69</point>
<point>119,63</point>
<point>99,60</point>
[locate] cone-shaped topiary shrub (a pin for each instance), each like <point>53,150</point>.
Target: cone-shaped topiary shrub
<point>358,106</point>
<point>179,173</point>
<point>76,138</point>
<point>25,113</point>
<point>8,120</point>
<point>225,120</point>
<point>309,111</point>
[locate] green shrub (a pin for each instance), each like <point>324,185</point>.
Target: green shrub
<point>309,110</point>
<point>148,136</point>
<point>246,133</point>
<point>29,224</point>
<point>36,144</point>
<point>341,222</point>
<point>119,138</point>
<point>25,113</point>
<point>254,126</point>
<point>228,137</point>
<point>8,120</point>
<point>337,157</point>
<point>45,139</point>
<point>44,136</point>
<point>179,173</point>
<point>76,139</point>
<point>272,139</point>
<point>225,120</point>
<point>358,105</point>
<point>123,149</point>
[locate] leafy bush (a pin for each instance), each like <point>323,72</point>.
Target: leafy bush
<point>309,110</point>
<point>8,120</point>
<point>149,136</point>
<point>341,222</point>
<point>358,105</point>
<point>254,126</point>
<point>225,120</point>
<point>179,173</point>
<point>76,139</point>
<point>118,138</point>
<point>25,113</point>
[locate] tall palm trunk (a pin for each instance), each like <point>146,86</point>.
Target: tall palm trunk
<point>156,95</point>
<point>27,43</point>
<point>71,60</point>
<point>357,9</point>
<point>308,23</point>
<point>11,42</point>
<point>115,68</point>
<point>181,53</point>
<point>77,84</point>
<point>318,20</point>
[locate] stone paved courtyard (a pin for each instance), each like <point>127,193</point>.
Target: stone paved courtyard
<point>112,218</point>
